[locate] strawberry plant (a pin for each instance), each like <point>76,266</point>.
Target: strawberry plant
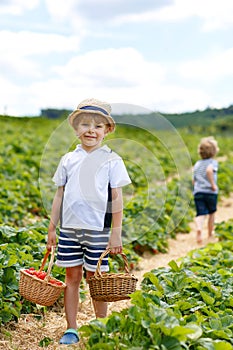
<point>19,248</point>
<point>180,307</point>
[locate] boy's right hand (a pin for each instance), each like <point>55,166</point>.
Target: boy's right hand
<point>52,239</point>
<point>214,187</point>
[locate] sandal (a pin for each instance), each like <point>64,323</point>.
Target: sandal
<point>70,337</point>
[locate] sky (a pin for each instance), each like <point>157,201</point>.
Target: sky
<point>170,56</point>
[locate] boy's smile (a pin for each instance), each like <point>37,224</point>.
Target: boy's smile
<point>91,132</point>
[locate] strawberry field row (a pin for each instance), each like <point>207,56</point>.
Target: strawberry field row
<point>157,206</point>
<point>186,306</point>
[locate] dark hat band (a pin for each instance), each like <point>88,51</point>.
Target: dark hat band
<point>94,108</point>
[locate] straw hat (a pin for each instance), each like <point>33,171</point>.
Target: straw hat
<point>93,106</point>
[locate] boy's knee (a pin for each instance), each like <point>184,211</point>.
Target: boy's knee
<point>89,274</point>
<point>74,275</point>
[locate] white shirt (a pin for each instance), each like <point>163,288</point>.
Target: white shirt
<point>86,177</point>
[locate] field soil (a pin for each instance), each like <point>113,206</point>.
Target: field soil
<point>29,331</point>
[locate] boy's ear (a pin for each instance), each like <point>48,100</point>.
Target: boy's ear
<point>107,129</point>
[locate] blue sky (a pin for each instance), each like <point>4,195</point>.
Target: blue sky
<point>163,55</point>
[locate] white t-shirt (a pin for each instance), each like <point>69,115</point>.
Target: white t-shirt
<point>86,177</point>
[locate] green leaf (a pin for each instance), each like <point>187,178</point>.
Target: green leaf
<point>102,346</point>
<point>151,276</point>
<point>207,298</point>
<point>171,343</point>
<point>230,300</point>
<point>45,342</point>
<point>180,332</point>
<point>113,324</point>
<point>5,317</point>
<point>227,321</point>
<point>222,345</point>
<point>174,266</point>
<point>196,331</point>
<point>217,246</point>
<point>215,323</point>
<point>222,334</point>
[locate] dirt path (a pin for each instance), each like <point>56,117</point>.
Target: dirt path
<point>27,334</point>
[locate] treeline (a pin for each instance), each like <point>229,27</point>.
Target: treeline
<point>222,118</point>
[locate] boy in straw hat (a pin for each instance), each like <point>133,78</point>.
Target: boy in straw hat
<point>87,200</point>
<point>205,185</point>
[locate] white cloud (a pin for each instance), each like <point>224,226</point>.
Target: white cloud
<point>210,68</point>
<point>25,54</point>
<point>26,43</point>
<point>100,10</point>
<point>155,97</point>
<point>213,13</point>
<point>176,98</point>
<point>13,98</point>
<point>60,8</point>
<point>17,7</point>
<point>111,67</point>
<point>118,76</point>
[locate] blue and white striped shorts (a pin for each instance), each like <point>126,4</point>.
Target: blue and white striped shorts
<point>82,247</point>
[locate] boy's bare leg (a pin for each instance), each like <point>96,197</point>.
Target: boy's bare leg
<point>199,224</point>
<point>100,307</point>
<point>71,296</point>
<point>211,224</point>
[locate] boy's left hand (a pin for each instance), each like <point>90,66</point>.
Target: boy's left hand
<point>116,250</point>
<point>115,243</point>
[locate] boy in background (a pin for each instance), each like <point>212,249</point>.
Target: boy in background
<point>205,185</point>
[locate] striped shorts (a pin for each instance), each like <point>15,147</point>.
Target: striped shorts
<point>82,247</point>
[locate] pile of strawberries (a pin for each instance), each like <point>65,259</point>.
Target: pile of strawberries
<point>41,275</point>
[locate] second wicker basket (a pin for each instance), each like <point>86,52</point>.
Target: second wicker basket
<point>112,286</point>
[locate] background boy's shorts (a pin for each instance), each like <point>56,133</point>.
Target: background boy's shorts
<point>82,247</point>
<point>206,203</point>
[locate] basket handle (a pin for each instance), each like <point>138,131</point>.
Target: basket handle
<point>52,252</point>
<point>106,252</point>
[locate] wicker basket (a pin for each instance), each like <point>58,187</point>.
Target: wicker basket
<point>39,291</point>
<point>111,286</point>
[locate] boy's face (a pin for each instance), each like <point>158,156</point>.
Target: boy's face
<point>91,130</point>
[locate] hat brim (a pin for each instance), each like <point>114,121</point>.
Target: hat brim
<point>79,112</point>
